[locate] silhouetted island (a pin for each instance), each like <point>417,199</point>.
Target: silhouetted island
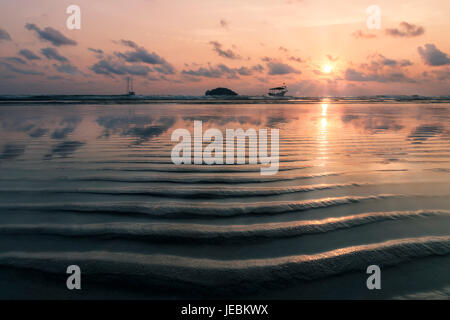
<point>220,92</point>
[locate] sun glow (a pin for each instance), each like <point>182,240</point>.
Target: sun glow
<point>327,68</point>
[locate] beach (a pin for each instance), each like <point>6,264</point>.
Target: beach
<point>92,184</point>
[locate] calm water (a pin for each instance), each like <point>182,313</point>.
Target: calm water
<point>94,185</point>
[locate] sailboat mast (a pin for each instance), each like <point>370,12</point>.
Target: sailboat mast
<point>130,91</point>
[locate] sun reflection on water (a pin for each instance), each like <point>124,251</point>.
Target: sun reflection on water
<point>322,136</point>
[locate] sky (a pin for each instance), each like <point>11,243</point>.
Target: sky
<point>179,47</point>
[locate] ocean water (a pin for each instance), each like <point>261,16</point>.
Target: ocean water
<point>93,185</point>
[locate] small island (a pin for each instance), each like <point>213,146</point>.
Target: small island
<point>220,92</point>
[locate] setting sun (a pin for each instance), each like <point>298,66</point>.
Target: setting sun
<point>327,68</point>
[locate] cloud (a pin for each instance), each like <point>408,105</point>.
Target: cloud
<point>19,70</point>
<point>222,70</point>
<point>129,43</point>
<point>383,61</point>
<point>432,56</point>
<point>387,62</point>
<point>111,68</point>
<point>4,35</point>
<point>283,49</point>
<point>406,29</point>
<point>52,54</point>
<point>353,75</point>
<point>405,63</point>
<point>141,55</point>
<point>279,68</point>
<point>331,58</point>
<point>51,35</point>
<point>55,78</point>
<point>229,54</point>
<point>97,51</point>
<point>442,74</point>
<point>378,63</point>
<point>67,68</point>
<point>379,68</point>
<point>28,54</point>
<point>15,60</point>
<point>165,68</point>
<point>361,35</point>
<point>296,59</point>
<point>391,76</point>
<point>210,72</point>
<point>245,71</point>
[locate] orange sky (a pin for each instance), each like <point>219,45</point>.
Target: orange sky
<point>187,47</point>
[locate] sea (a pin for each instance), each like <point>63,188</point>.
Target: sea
<point>91,183</point>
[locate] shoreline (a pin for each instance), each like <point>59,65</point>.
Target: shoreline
<point>124,99</point>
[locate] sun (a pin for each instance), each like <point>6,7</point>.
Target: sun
<point>327,68</point>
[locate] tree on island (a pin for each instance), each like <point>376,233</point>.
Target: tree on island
<point>220,92</point>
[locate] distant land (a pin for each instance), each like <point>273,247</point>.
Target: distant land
<point>220,92</point>
<point>210,99</point>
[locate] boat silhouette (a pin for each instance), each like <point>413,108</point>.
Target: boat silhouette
<point>278,91</point>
